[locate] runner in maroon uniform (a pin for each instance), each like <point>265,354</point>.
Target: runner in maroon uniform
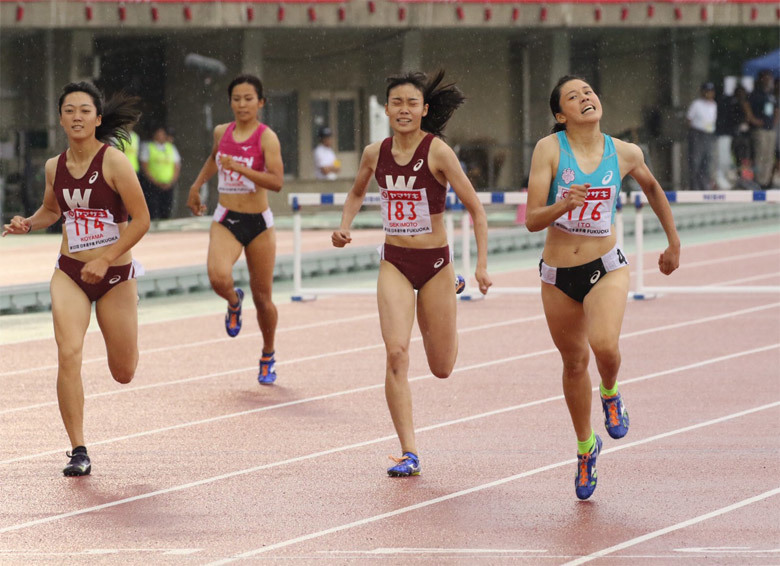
<point>93,187</point>
<point>413,168</point>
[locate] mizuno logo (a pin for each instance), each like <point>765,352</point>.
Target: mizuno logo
<point>607,178</point>
<point>246,147</point>
<point>231,220</point>
<point>115,279</point>
<point>595,277</point>
<point>418,165</point>
<point>93,178</point>
<point>439,263</point>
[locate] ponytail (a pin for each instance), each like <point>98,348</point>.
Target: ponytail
<point>442,100</point>
<point>118,114</point>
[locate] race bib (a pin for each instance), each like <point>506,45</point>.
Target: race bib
<point>405,213</point>
<point>232,182</point>
<point>594,217</point>
<point>89,228</point>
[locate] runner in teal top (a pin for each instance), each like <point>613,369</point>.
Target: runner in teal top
<point>572,191</point>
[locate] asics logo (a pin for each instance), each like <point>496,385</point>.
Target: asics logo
<point>595,277</point>
<point>93,178</point>
<point>439,263</point>
<point>231,220</point>
<point>418,165</point>
<point>115,279</point>
<point>607,178</point>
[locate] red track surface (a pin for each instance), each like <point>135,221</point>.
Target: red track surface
<point>195,463</point>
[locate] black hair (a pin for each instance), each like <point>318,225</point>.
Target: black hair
<point>442,100</point>
<point>555,99</point>
<point>250,79</point>
<point>118,114</point>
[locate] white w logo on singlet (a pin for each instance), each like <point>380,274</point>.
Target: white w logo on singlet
<point>400,183</point>
<point>75,199</point>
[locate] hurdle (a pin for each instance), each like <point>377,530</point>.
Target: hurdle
<point>642,291</point>
<point>299,200</point>
<point>517,198</point>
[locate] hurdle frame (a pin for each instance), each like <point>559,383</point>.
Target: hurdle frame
<point>518,198</point>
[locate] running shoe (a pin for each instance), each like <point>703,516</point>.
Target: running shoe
<point>615,416</point>
<point>233,316</point>
<point>267,373</point>
<point>406,465</point>
<point>585,482</point>
<point>79,464</point>
<point>460,284</point>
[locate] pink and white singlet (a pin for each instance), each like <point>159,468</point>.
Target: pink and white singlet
<point>248,152</point>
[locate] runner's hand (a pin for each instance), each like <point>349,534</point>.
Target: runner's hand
<point>340,238</point>
<point>483,279</point>
<point>575,198</point>
<point>193,202</point>
<point>669,260</point>
<point>18,225</point>
<point>94,271</point>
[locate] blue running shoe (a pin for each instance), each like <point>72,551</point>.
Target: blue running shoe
<point>585,482</point>
<point>79,464</point>
<point>615,416</point>
<point>407,465</point>
<point>267,373</point>
<point>460,284</point>
<point>233,316</point>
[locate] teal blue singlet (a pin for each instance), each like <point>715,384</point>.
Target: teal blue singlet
<point>596,215</point>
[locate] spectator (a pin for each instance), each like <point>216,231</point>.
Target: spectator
<point>161,164</point>
<point>130,149</point>
<point>326,166</point>
<point>762,113</point>
<point>701,116</point>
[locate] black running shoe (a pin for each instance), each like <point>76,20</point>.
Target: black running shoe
<point>79,464</point>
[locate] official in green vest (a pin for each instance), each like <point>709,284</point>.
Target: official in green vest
<point>131,151</point>
<point>161,165</point>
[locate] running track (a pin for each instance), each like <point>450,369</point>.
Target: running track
<point>194,463</point>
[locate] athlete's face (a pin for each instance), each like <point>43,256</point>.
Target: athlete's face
<point>78,116</point>
<point>405,108</point>
<point>579,104</point>
<point>244,102</point>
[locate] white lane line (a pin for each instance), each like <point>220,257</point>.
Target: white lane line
<point>365,443</point>
<point>205,342</point>
<point>744,279</point>
<point>675,527</point>
<point>475,489</point>
<point>413,379</point>
<point>282,363</point>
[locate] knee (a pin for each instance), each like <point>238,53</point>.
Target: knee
<point>442,372</point>
<point>220,281</point>
<point>575,365</point>
<point>262,300</point>
<point>69,355</point>
<point>606,350</point>
<point>123,372</point>
<point>397,360</point>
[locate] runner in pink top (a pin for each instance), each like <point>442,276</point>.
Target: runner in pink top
<point>92,187</point>
<point>248,160</point>
<point>413,167</point>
